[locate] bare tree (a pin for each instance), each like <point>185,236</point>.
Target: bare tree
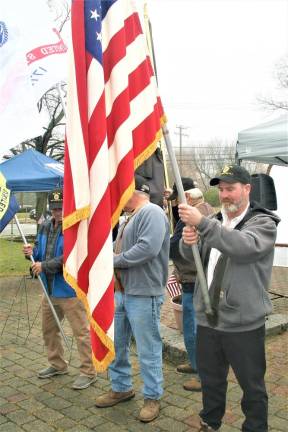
<point>210,159</point>
<point>61,11</point>
<point>280,102</point>
<point>203,162</point>
<point>51,142</point>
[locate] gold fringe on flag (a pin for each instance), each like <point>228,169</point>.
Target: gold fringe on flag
<point>107,342</point>
<point>76,216</point>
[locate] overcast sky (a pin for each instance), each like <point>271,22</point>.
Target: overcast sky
<point>213,58</point>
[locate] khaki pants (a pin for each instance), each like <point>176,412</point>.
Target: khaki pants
<point>74,311</point>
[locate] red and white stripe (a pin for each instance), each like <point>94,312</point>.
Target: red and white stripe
<point>113,121</point>
<point>173,286</point>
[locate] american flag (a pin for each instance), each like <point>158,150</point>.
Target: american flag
<point>114,118</point>
<point>173,287</point>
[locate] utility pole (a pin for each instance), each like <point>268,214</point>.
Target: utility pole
<point>181,134</point>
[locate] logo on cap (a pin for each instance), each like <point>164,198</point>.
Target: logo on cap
<point>56,196</point>
<point>55,199</point>
<point>227,170</point>
<point>232,174</point>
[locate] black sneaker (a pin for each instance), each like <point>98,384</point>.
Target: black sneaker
<point>206,428</point>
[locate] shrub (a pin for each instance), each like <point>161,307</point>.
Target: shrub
<point>211,196</point>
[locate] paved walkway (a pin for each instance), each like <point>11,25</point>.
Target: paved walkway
<point>30,404</point>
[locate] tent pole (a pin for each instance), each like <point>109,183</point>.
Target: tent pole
<point>182,199</point>
<point>43,287</point>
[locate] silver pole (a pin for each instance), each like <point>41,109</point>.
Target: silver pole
<point>43,287</point>
<point>181,194</point>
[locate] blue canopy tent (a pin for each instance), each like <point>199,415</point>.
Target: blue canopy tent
<point>32,171</point>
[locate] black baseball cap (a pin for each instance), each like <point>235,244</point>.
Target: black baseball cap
<point>232,174</point>
<point>55,199</point>
<point>187,183</point>
<point>141,184</point>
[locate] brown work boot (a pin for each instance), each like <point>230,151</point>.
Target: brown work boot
<point>185,368</point>
<point>193,384</point>
<point>150,410</point>
<point>113,398</point>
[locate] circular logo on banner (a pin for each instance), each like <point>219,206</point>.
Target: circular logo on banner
<point>3,33</point>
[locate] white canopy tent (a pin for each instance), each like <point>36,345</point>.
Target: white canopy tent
<point>280,177</point>
<point>268,143</point>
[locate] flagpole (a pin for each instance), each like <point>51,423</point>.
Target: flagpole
<point>150,45</point>
<point>43,287</point>
<point>177,176</point>
<point>181,194</point>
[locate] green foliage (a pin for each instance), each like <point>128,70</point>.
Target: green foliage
<point>211,196</point>
<point>12,261</point>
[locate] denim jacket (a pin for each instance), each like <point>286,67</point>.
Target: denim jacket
<point>52,267</point>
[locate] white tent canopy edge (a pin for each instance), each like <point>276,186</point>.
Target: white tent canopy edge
<point>268,143</point>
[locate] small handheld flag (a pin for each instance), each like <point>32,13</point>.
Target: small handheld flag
<point>8,204</point>
<point>173,287</point>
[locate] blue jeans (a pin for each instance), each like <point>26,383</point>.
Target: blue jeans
<point>140,316</point>
<point>189,327</point>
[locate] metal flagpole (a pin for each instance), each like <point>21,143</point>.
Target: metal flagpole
<point>43,287</point>
<point>149,39</point>
<point>177,177</point>
<point>181,194</point>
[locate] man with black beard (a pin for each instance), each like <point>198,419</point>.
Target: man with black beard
<point>237,248</point>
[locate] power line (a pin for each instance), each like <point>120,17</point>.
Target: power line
<point>180,133</point>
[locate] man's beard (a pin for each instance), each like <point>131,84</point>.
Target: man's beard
<point>230,207</point>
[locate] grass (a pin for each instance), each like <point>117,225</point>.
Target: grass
<point>12,261</point>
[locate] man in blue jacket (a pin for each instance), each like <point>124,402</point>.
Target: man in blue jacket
<point>48,256</point>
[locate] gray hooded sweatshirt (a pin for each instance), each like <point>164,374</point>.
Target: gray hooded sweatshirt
<point>244,299</point>
<point>143,262</point>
